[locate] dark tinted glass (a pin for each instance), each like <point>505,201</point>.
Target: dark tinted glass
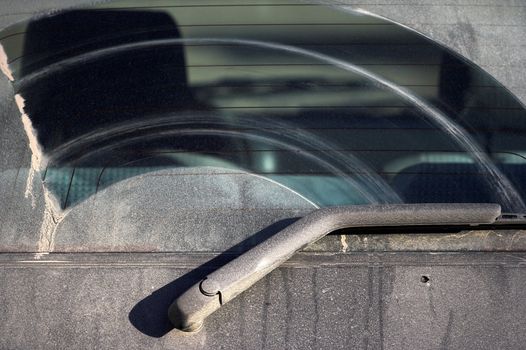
<point>335,106</point>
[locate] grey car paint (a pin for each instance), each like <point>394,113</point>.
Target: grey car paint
<point>321,298</point>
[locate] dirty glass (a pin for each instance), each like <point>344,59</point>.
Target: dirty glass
<point>293,104</point>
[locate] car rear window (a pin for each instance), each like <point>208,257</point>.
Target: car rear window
<point>258,106</point>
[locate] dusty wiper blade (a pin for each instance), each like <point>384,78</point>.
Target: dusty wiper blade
<point>191,308</point>
<point>511,219</point>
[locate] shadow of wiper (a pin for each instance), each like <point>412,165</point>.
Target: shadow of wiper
<point>149,315</point>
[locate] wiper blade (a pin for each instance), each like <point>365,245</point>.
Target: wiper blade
<point>191,308</point>
<point>511,219</point>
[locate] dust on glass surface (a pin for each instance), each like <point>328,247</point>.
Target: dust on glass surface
<point>328,105</point>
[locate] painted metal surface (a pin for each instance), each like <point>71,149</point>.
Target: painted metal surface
<point>345,291</point>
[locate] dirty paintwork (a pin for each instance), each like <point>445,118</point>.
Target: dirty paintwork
<point>360,300</point>
<point>359,290</point>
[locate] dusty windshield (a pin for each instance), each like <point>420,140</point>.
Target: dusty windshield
<point>259,106</point>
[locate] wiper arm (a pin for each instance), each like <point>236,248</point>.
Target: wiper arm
<point>191,308</point>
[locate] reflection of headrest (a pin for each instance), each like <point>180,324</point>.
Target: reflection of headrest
<point>72,33</point>
<point>129,84</point>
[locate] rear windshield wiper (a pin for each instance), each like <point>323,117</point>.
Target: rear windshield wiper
<point>191,308</point>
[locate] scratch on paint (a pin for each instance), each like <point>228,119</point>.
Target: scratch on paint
<point>343,240</point>
<point>52,214</point>
<point>4,66</point>
<point>36,151</point>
